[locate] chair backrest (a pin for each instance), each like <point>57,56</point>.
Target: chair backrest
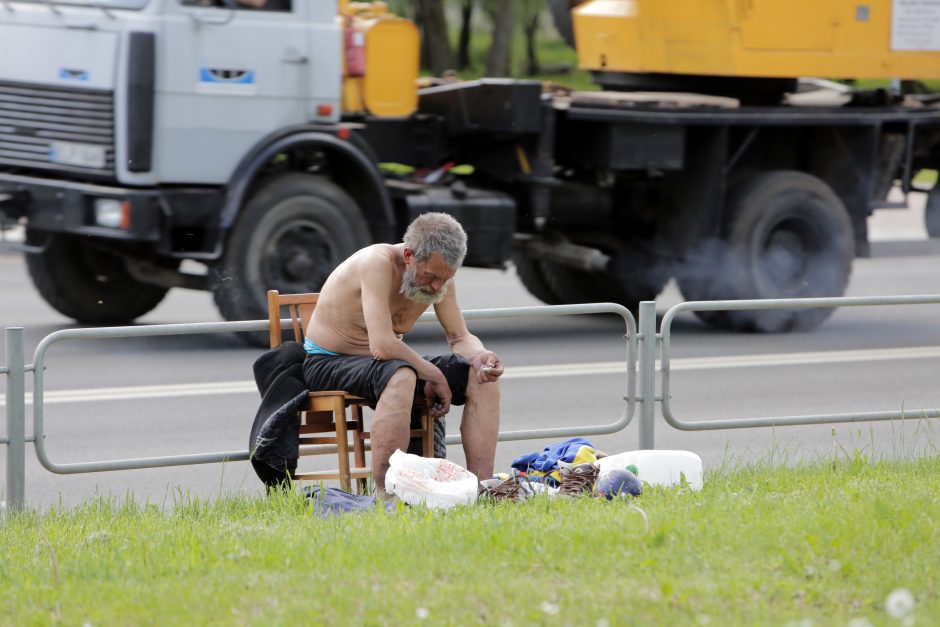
<point>299,309</point>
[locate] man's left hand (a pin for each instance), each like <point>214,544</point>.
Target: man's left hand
<point>487,366</point>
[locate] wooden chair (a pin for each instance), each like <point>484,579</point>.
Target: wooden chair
<point>323,416</point>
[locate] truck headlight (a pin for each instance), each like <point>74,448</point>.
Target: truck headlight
<point>112,213</point>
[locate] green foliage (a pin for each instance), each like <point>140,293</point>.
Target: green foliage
<point>926,178</point>
<point>558,60</point>
<point>826,542</point>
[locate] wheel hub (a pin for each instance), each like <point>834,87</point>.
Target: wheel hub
<point>297,265</point>
<point>787,253</point>
<point>298,258</point>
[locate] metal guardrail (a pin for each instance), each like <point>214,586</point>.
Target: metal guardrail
<point>16,419</point>
<point>795,303</point>
<point>157,330</point>
<point>15,398</point>
<point>641,349</point>
<point>630,336</point>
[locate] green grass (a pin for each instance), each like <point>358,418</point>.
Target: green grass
<point>558,60</point>
<point>926,178</point>
<point>885,83</point>
<point>825,541</point>
<point>553,54</point>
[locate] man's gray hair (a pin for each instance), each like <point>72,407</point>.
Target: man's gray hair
<point>439,233</point>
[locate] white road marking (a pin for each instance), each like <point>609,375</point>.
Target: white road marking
<point>179,390</point>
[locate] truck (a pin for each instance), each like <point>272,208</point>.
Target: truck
<point>147,145</point>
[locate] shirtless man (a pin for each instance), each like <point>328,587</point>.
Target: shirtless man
<point>354,342</point>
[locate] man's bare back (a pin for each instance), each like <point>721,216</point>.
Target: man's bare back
<point>338,323</point>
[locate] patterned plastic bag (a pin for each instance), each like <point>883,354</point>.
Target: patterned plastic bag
<point>437,483</point>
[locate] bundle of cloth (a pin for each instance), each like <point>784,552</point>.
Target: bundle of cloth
<point>545,466</point>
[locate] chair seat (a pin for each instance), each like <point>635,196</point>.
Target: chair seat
<point>319,401</point>
<point>350,398</point>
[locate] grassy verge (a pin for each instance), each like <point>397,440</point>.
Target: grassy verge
<point>826,542</point>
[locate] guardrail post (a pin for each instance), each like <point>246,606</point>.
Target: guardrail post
<point>647,366</point>
<point>16,420</point>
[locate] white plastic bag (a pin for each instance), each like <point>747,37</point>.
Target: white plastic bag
<point>437,483</point>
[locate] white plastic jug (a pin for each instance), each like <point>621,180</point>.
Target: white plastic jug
<point>659,467</point>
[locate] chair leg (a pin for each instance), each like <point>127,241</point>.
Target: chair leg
<point>342,443</point>
<point>359,446</point>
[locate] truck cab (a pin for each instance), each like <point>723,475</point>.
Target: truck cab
<point>133,133</point>
<point>173,92</point>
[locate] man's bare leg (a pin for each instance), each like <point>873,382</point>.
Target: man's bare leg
<point>479,427</point>
<point>391,422</point>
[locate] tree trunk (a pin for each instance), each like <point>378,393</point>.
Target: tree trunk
<point>497,62</point>
<point>463,45</point>
<point>531,29</point>
<point>434,24</point>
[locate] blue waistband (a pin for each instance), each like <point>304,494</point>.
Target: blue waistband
<point>312,348</point>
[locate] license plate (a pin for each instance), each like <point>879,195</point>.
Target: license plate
<point>82,155</point>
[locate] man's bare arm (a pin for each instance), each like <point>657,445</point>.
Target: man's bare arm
<point>486,364</point>
<point>384,344</point>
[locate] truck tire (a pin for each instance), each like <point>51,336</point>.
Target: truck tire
<point>87,284</point>
<point>580,286</point>
<point>293,231</point>
<point>932,212</point>
<point>628,279</point>
<point>787,236</point>
<point>532,275</point>
<point>696,279</point>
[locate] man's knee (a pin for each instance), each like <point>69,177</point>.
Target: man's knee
<point>477,390</point>
<point>401,385</point>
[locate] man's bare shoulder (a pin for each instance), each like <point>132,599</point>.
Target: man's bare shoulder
<point>380,258</point>
<point>375,263</point>
<point>371,254</point>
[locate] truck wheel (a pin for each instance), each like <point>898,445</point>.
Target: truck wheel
<point>89,285</point>
<point>932,212</point>
<point>696,279</point>
<point>787,236</point>
<point>629,278</point>
<point>580,286</point>
<point>291,234</point>
<point>532,275</point>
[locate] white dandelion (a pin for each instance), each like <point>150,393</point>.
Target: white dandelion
<point>900,603</point>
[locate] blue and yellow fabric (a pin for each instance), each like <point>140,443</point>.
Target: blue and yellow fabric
<point>544,466</point>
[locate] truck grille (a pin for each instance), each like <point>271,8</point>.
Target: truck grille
<point>36,120</point>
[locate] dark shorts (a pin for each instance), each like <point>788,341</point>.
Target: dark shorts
<point>367,377</point>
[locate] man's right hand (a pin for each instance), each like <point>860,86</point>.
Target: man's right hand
<point>438,395</point>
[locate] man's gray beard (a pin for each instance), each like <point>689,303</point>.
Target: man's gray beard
<point>418,293</point>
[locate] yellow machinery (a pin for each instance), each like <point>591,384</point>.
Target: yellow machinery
<point>760,38</point>
<point>381,60</point>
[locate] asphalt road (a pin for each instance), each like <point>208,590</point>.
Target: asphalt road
<point>194,394</point>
